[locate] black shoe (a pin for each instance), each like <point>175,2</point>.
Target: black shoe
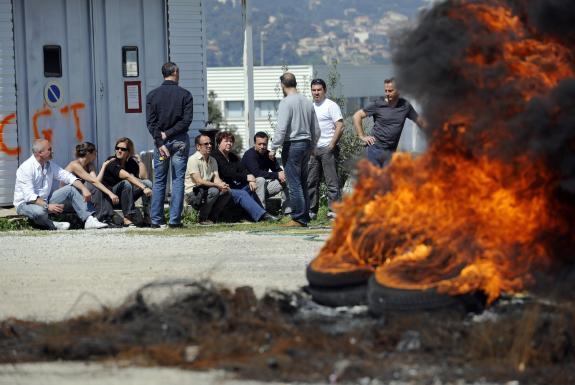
<point>157,226</point>
<point>269,218</point>
<point>175,225</point>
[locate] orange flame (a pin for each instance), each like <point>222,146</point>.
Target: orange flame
<point>448,219</point>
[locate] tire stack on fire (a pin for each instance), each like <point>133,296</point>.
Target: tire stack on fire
<point>347,285</point>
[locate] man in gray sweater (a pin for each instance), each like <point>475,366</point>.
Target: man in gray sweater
<point>297,131</point>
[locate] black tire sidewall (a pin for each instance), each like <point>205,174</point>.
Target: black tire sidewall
<point>382,299</point>
<point>337,280</point>
<point>340,296</point>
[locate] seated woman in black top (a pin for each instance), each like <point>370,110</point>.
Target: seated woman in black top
<point>121,174</point>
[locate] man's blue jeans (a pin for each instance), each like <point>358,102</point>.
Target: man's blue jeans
<point>378,156</point>
<point>179,151</point>
<point>295,158</point>
<point>246,199</point>
<point>64,195</point>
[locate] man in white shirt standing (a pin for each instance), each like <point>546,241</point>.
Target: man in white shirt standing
<point>325,156</point>
<point>33,195</point>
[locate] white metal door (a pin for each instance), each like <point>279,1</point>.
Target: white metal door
<point>133,24</point>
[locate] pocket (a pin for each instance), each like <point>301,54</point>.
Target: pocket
<point>179,147</point>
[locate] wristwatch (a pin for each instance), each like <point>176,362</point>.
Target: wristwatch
<point>45,205</point>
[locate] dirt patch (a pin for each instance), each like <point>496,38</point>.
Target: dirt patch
<point>284,336</point>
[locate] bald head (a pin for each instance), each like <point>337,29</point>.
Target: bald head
<point>288,80</point>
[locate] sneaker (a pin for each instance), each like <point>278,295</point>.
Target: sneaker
<point>293,223</point>
<point>331,215</point>
<point>61,225</point>
<point>269,218</point>
<point>158,226</point>
<point>93,223</point>
<point>175,225</point>
<point>312,216</point>
<point>207,222</point>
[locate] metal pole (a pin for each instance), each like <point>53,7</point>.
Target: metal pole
<point>248,75</point>
<point>261,48</point>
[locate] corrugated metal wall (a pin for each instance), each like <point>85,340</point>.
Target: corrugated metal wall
<point>8,132</point>
<point>187,36</point>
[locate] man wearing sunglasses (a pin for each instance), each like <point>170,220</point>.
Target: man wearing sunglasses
<point>169,110</point>
<point>205,191</point>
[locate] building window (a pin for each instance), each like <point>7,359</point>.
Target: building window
<point>265,108</point>
<point>234,109</point>
<point>52,61</point>
<point>130,62</point>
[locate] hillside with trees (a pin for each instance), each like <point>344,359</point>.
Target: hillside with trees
<point>309,31</point>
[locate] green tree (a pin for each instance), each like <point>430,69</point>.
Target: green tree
<point>350,146</point>
<point>215,115</point>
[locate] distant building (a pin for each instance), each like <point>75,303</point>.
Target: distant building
<point>359,85</point>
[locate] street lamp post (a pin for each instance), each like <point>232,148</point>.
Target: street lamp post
<point>248,74</point>
<point>261,48</point>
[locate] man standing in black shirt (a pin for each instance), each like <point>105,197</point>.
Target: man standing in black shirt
<point>169,110</point>
<point>389,116</point>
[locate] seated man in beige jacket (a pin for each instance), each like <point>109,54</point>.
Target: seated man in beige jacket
<point>204,190</point>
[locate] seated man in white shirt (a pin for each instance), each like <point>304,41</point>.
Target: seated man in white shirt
<point>33,195</point>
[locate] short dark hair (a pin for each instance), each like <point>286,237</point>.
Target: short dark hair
<point>224,135</point>
<point>197,139</point>
<point>320,82</point>
<point>169,69</point>
<point>261,135</point>
<point>390,80</point>
<point>288,80</point>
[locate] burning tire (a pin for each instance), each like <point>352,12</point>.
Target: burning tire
<point>336,279</point>
<point>338,284</point>
<point>382,299</point>
<point>339,296</point>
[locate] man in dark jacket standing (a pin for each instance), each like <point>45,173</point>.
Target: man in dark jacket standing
<point>169,110</point>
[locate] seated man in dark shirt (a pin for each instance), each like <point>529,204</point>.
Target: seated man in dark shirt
<point>120,174</point>
<point>242,184</point>
<point>270,178</point>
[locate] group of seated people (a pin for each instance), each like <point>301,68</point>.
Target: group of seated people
<point>213,180</point>
<point>91,195</point>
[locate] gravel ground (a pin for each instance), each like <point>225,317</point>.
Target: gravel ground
<point>53,276</point>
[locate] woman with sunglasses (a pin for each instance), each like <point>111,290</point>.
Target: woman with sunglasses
<point>83,167</point>
<point>121,173</point>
